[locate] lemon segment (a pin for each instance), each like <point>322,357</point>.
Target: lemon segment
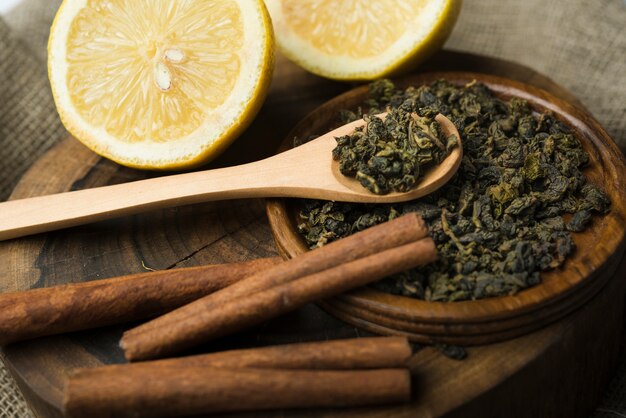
<point>361,39</point>
<point>159,84</point>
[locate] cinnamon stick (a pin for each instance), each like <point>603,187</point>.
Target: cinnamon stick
<point>55,310</point>
<point>407,228</point>
<point>203,390</point>
<point>355,353</point>
<point>199,322</point>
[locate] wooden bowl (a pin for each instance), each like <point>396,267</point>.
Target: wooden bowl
<point>595,261</point>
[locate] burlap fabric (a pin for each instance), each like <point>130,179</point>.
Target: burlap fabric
<point>581,44</point>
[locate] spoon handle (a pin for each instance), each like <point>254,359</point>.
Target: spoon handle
<point>305,171</point>
<point>46,213</point>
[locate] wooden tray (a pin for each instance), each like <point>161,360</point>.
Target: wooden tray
<point>559,370</point>
<point>494,319</point>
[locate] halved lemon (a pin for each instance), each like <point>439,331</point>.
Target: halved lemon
<point>159,84</point>
<point>361,39</point>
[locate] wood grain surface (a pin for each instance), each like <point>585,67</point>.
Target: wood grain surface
<point>557,371</point>
<point>488,320</point>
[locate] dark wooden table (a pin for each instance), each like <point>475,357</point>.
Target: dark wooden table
<point>558,371</point>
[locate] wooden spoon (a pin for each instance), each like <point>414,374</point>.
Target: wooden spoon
<point>306,171</point>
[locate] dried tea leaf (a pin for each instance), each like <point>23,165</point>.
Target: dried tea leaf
<point>499,222</point>
<point>391,155</point>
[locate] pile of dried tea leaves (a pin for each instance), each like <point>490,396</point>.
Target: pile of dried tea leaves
<point>499,221</point>
<point>391,155</point>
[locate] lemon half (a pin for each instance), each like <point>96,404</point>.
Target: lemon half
<point>159,84</point>
<point>361,39</point>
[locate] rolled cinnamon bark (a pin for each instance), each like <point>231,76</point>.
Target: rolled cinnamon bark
<point>355,353</point>
<point>198,322</point>
<point>55,310</point>
<point>407,228</point>
<point>203,390</point>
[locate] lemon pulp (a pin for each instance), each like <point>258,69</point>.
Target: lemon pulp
<point>159,83</point>
<point>364,29</point>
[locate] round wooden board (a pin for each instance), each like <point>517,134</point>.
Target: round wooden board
<point>493,319</point>
<point>559,370</point>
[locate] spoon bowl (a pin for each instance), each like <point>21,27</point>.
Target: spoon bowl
<point>433,179</point>
<point>307,171</point>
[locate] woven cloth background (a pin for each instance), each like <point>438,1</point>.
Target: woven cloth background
<point>581,44</point>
